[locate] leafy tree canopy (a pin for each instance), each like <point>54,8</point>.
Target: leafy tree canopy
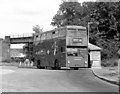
<point>37,29</point>
<point>69,13</point>
<point>108,16</point>
<point>107,33</point>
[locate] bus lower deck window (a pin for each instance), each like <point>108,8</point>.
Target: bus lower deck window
<point>62,49</point>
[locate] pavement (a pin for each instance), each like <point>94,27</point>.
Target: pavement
<point>8,64</point>
<point>107,74</point>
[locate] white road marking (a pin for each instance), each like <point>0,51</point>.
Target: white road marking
<point>5,71</point>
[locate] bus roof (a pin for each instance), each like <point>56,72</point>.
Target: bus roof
<point>69,26</point>
<point>74,26</point>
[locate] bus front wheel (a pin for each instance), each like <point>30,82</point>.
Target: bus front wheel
<point>76,68</point>
<point>38,64</point>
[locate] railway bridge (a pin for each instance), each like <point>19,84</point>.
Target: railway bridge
<point>17,39</point>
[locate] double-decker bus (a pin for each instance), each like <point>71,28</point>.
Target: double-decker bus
<point>61,47</point>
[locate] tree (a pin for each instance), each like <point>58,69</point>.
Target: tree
<point>69,13</point>
<point>108,34</point>
<point>108,15</point>
<point>37,29</point>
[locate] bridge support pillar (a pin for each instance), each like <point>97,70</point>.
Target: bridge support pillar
<point>6,49</point>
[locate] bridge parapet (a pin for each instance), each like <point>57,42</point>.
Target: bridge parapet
<point>21,35</point>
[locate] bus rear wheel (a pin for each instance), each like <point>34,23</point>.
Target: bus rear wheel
<point>74,68</point>
<point>57,65</point>
<point>38,64</point>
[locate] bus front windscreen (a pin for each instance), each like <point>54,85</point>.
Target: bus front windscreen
<point>81,52</point>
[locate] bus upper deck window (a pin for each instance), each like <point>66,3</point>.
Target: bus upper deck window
<point>71,32</point>
<point>82,32</point>
<point>71,29</point>
<point>62,49</point>
<point>36,36</point>
<point>55,34</point>
<point>49,36</point>
<point>43,36</point>
<point>62,33</point>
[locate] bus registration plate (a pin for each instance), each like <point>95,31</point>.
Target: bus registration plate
<point>77,40</point>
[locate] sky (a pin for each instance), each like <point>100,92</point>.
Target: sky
<point>18,17</point>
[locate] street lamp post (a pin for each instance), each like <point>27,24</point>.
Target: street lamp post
<point>89,23</point>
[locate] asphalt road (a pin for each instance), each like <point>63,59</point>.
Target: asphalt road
<point>44,80</point>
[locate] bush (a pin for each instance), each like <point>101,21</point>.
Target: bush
<point>105,63</point>
<point>113,62</point>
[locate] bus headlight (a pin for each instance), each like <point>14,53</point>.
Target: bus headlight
<point>86,62</point>
<point>68,61</point>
